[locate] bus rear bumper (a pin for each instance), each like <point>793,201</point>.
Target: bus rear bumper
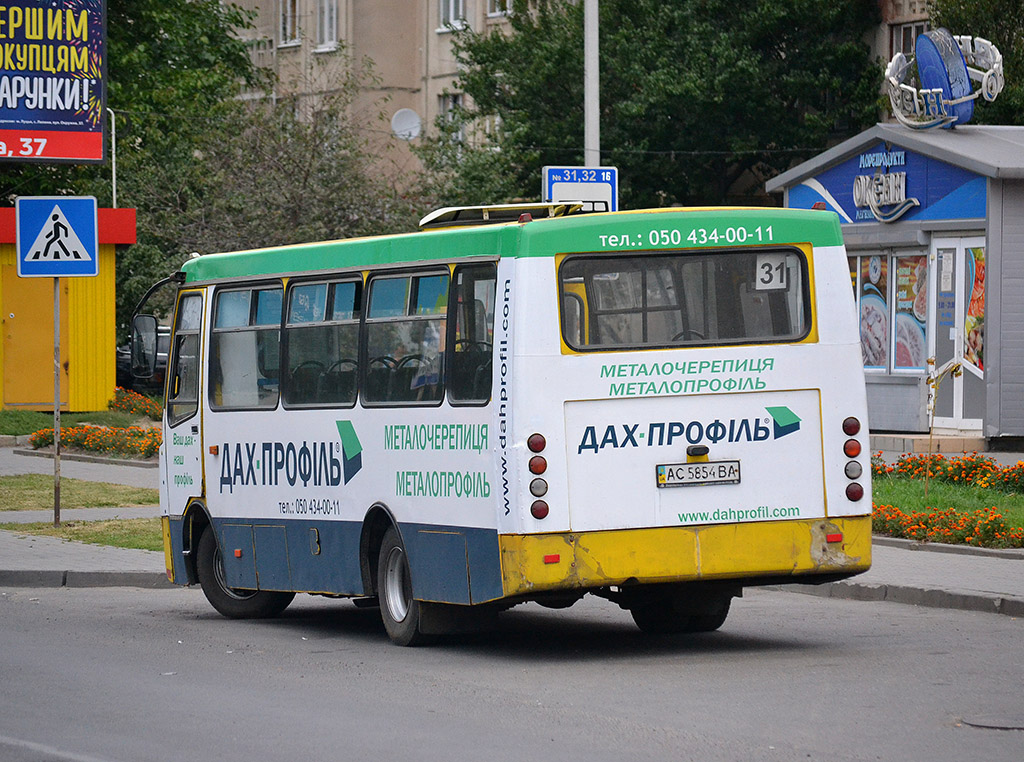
<point>794,551</point>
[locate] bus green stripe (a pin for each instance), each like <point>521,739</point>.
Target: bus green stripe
<point>540,238</point>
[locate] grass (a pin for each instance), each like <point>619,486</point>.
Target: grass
<point>19,422</point>
<point>143,534</point>
<point>34,492</point>
<point>908,494</point>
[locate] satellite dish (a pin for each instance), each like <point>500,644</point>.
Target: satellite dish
<point>406,124</point>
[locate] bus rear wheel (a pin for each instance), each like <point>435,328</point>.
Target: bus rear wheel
<point>231,602</point>
<point>673,614</point>
<point>399,611</point>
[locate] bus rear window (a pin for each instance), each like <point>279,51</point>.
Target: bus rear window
<point>684,298</point>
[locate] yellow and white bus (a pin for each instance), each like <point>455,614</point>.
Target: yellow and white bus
<point>519,403</point>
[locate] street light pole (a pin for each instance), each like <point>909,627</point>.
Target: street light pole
<point>591,86</point>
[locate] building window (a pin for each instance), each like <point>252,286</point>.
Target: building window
<point>904,37</point>
<point>289,21</point>
<point>448,106</point>
<point>327,25</point>
<point>499,7</point>
<point>452,14</point>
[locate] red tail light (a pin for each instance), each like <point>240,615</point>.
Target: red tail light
<point>851,448</point>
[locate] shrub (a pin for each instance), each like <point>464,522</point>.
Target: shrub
<point>128,401</point>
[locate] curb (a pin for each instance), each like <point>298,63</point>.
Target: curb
<point>90,458</point>
<point>31,578</point>
<point>914,596</point>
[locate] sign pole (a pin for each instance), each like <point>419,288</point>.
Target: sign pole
<point>56,402</point>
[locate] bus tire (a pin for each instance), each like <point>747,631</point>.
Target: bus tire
<point>670,616</point>
<point>232,603</point>
<point>399,611</point>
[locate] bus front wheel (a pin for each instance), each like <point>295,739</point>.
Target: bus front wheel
<point>399,611</point>
<point>231,602</point>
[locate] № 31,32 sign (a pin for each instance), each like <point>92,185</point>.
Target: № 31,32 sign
<point>52,80</point>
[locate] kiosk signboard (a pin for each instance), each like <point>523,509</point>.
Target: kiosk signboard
<point>52,81</point>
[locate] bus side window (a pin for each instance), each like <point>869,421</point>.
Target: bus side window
<point>471,347</point>
<point>183,384</point>
<point>405,328</point>
<point>245,349</point>
<point>322,343</point>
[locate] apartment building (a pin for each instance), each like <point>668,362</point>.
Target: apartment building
<point>408,41</point>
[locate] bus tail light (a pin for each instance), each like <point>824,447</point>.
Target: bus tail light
<point>538,465</point>
<point>851,448</point>
<point>854,492</point>
<point>851,426</point>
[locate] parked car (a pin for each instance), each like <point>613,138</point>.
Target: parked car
<point>128,380</point>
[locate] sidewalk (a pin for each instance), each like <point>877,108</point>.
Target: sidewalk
<point>937,576</point>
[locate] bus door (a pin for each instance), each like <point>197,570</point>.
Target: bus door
<point>182,450</point>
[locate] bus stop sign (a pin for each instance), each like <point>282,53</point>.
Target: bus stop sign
<point>596,187</point>
<point>57,236</point>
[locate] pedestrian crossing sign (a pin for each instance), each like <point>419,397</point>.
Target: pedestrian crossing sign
<point>57,236</point>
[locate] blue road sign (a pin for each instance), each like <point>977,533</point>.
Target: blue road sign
<point>596,187</point>
<point>57,236</point>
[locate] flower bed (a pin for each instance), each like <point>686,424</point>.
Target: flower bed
<point>107,440</point>
<point>981,528</point>
<point>137,404</point>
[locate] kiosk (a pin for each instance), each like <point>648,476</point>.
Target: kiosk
<point>934,228</point>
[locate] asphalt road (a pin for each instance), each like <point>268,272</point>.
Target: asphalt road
<point>129,675</point>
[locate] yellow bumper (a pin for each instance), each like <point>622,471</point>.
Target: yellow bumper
<point>535,563</point>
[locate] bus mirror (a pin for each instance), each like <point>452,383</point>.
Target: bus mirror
<point>143,346</point>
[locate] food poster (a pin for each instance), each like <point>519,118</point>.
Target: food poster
<point>874,311</point>
<point>974,317</point>
<point>911,312</point>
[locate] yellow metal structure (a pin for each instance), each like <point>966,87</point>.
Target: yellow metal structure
<point>87,337</point>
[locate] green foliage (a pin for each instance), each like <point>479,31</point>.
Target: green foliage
<point>207,172</point>
<point>695,94</point>
<point>1000,22</point>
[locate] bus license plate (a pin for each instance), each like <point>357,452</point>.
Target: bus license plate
<point>698,474</point>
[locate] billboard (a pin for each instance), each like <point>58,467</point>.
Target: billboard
<point>52,80</point>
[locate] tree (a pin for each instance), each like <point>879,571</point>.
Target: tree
<point>207,171</point>
<point>1002,23</point>
<point>695,94</point>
